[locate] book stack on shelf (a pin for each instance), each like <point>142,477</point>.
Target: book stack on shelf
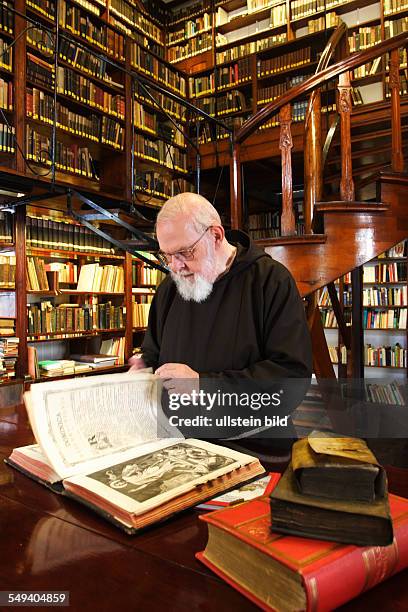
<point>145,279</point>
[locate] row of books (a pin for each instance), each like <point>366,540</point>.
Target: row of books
<point>6,227</point>
<point>280,63</point>
<point>368,69</point>
<point>142,274</point>
<point>96,278</point>
<point>7,138</point>
<point>385,319</point>
<point>136,19</point>
<point>6,95</point>
<point>160,152</point>
<point>163,103</point>
<point>385,296</point>
<point>6,18</point>
<point>73,18</point>
<point>386,356</point>
<point>394,6</point>
<point>190,28</point>
<point>140,314</point>
<point>364,37</point>
<point>84,90</point>
<point>66,272</point>
<point>36,274</point>
<point>330,20</point>
<point>6,55</point>
<point>47,318</point>
<point>268,94</point>
<point>303,8</point>
<point>161,185</point>
<point>239,72</point>
<point>193,46</point>
<point>85,60</point>
<point>255,46</point>
<point>46,7</point>
<point>232,101</point>
<point>199,86</point>
<point>54,234</point>
<point>147,63</point>
<point>329,319</point>
<point>387,393</point>
<point>7,271</point>
<point>385,273</point>
<point>68,158</point>
<point>393,27</point>
<point>40,106</point>
<point>278,15</point>
<point>40,72</point>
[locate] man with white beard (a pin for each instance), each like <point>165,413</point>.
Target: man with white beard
<point>226,311</point>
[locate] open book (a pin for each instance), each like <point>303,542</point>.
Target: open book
<point>106,441</point>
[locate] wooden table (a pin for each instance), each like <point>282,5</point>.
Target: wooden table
<point>52,543</point>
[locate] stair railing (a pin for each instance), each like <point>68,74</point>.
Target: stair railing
<point>283,105</point>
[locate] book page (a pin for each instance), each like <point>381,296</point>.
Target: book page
<point>156,474</point>
<point>81,423</point>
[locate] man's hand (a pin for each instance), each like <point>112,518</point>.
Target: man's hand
<point>136,363</point>
<point>178,378</point>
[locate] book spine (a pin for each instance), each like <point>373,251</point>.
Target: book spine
<point>360,570</point>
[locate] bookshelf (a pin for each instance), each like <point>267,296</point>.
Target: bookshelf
<point>385,309</point>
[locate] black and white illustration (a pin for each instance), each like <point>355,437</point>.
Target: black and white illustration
<point>145,477</point>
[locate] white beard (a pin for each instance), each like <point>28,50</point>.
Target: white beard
<point>198,290</point>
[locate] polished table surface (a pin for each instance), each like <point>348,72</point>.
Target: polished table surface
<point>52,543</point>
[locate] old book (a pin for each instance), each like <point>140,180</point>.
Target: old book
<point>106,442</point>
<point>352,522</point>
<point>288,573</point>
<point>328,465</point>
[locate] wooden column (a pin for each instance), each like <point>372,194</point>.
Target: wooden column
<point>236,188</point>
<point>128,305</point>
<point>344,105</point>
<point>357,331</point>
<point>288,223</point>
<point>397,157</point>
<point>19,64</point>
<point>21,291</point>
<point>313,159</point>
<point>128,125</point>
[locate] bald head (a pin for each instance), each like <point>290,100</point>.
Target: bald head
<point>190,207</point>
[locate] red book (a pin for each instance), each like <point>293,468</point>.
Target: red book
<point>292,573</point>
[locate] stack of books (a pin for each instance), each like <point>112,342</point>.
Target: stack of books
<point>333,489</point>
<point>260,553</point>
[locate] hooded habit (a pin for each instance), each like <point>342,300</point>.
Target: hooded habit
<point>251,330</point>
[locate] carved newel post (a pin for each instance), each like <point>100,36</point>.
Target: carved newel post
<point>288,226</point>
<point>346,182</point>
<point>397,157</point>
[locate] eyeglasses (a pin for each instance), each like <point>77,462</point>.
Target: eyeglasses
<point>185,254</point>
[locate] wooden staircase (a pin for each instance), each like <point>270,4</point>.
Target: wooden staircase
<point>349,235</point>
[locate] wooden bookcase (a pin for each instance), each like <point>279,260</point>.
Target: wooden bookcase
<point>384,298</point>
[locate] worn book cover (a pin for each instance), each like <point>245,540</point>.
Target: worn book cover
<point>337,467</point>
<point>287,573</point>
<point>340,520</point>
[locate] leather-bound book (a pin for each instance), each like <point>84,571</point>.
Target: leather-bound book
<point>286,573</point>
<point>337,467</point>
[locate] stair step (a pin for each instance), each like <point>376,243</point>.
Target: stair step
<point>360,207</point>
<point>284,240</point>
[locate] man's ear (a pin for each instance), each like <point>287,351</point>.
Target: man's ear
<point>219,234</point>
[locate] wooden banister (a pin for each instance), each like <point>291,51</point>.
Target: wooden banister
<point>315,81</point>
